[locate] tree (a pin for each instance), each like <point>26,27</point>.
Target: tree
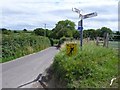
<point>89,33</point>
<point>117,32</point>
<point>116,36</point>
<point>25,30</point>
<point>39,31</point>
<point>103,30</point>
<point>76,34</point>
<point>63,28</point>
<point>48,33</point>
<point>15,31</point>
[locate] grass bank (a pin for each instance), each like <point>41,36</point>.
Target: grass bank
<point>94,66</point>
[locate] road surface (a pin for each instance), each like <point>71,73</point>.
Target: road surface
<point>27,68</point>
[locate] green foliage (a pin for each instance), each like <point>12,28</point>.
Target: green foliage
<point>25,30</point>
<point>89,33</point>
<point>92,33</point>
<point>0,60</point>
<point>17,45</point>
<point>92,67</point>
<point>102,31</point>
<point>42,32</point>
<point>116,36</point>
<point>39,31</point>
<point>63,28</point>
<point>5,31</point>
<point>76,34</point>
<point>62,39</point>
<point>55,41</point>
<point>51,41</point>
<point>48,33</point>
<point>117,32</point>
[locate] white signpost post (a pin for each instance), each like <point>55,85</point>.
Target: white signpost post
<point>80,23</point>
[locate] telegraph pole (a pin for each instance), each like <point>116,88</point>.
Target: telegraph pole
<point>45,29</point>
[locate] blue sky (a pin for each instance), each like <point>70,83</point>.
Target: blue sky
<point>31,14</point>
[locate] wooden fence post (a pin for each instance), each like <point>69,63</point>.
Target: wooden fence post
<point>97,41</point>
<point>106,40</point>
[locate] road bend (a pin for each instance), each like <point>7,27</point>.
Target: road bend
<point>25,69</point>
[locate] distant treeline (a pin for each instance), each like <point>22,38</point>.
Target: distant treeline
<point>67,29</point>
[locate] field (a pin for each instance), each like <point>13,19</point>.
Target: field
<point>94,66</point>
<point>15,46</point>
<point>114,44</point>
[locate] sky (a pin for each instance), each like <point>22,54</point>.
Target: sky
<point>32,14</point>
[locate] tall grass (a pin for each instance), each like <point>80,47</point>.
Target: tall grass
<point>14,46</point>
<point>94,66</point>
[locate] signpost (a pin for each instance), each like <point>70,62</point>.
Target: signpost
<point>80,27</point>
<point>80,23</point>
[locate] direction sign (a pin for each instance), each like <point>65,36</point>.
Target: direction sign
<point>76,10</point>
<point>80,28</point>
<point>89,15</point>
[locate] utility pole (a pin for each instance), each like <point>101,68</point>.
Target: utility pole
<point>80,23</point>
<point>45,29</point>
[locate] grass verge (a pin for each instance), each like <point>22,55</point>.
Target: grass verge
<point>94,66</point>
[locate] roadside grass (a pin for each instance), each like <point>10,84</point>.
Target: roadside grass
<point>0,60</point>
<point>94,66</point>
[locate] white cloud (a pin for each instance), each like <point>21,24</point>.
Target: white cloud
<point>18,13</point>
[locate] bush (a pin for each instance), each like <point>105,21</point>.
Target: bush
<point>55,41</point>
<point>51,42</point>
<point>62,39</point>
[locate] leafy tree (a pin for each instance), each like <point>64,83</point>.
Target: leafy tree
<point>43,32</point>
<point>89,33</point>
<point>25,30</point>
<point>48,33</point>
<point>116,36</point>
<point>15,31</point>
<point>63,28</point>
<point>39,31</point>
<point>117,32</point>
<point>76,34</point>
<point>103,30</point>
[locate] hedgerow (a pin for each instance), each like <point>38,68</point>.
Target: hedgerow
<point>14,46</point>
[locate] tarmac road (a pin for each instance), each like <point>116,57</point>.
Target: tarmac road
<point>27,68</point>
